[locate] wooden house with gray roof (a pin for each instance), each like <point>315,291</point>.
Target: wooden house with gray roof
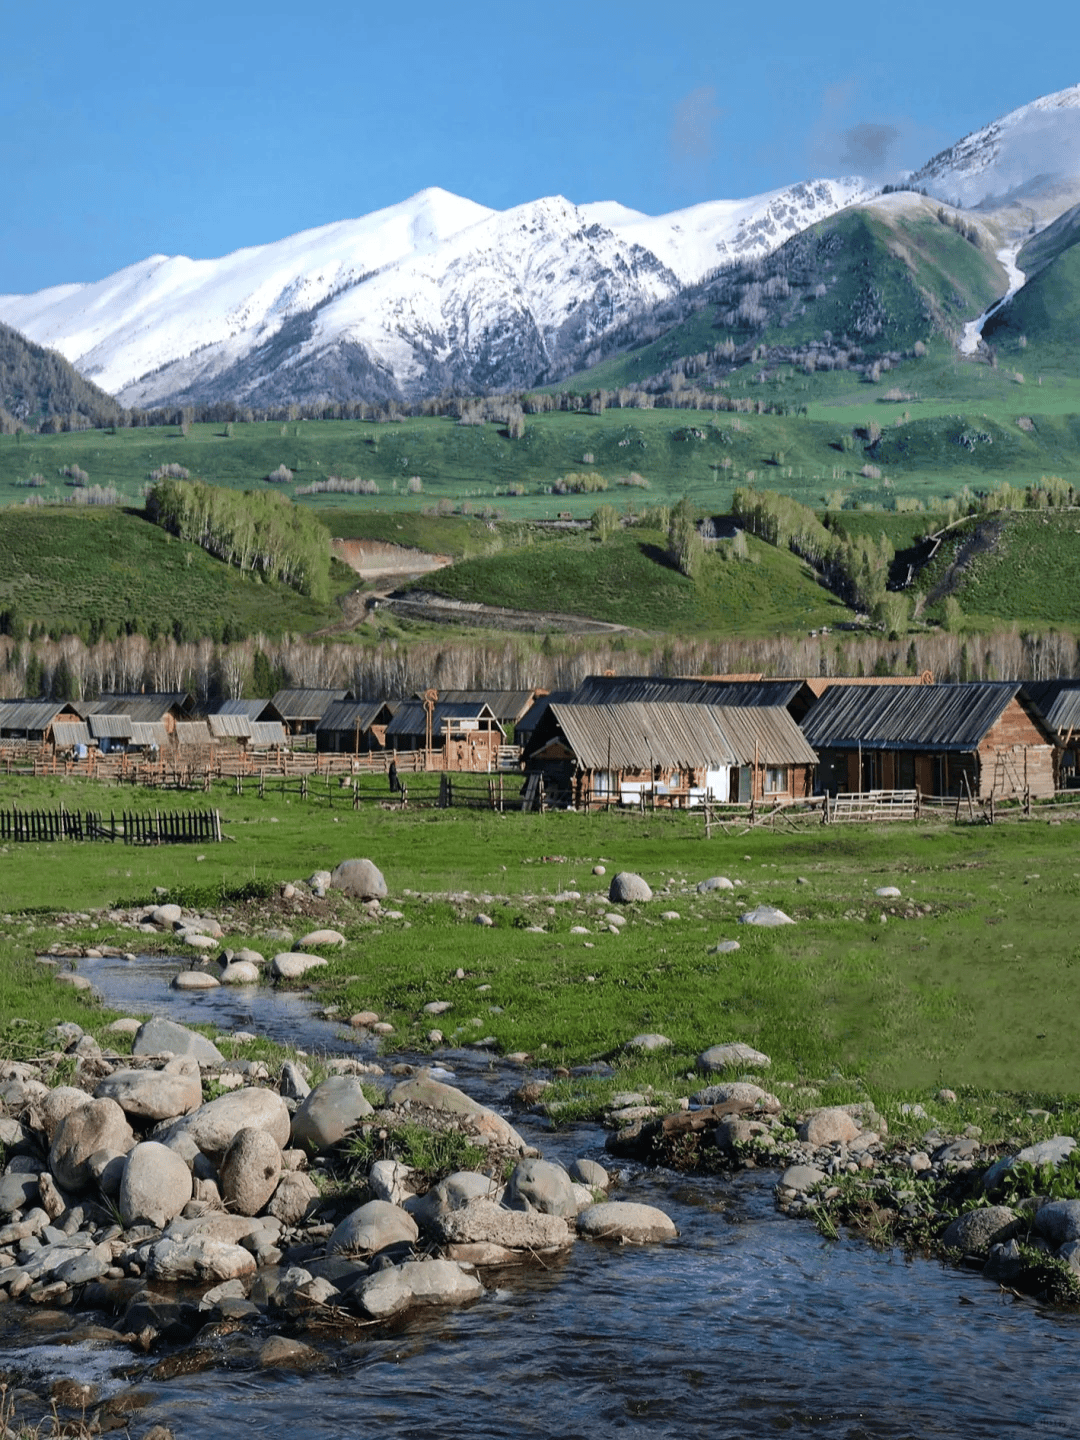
<point>146,707</point>
<point>459,737</point>
<point>983,739</point>
<point>1058,702</point>
<point>302,709</point>
<point>354,727</point>
<point>30,721</point>
<point>670,753</point>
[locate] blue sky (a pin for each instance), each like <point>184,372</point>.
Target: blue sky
<point>128,130</point>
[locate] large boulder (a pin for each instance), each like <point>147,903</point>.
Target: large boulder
<point>359,879</point>
<point>418,1282</point>
<point>1058,1221</point>
<point>976,1231</point>
<point>541,1185</point>
<point>159,1036</point>
<point>373,1227</point>
<point>199,1258</point>
<point>155,1094</point>
<point>156,1185</point>
<point>250,1171</point>
<point>626,888</point>
<point>740,1092</point>
<point>483,1222</point>
<point>727,1057</point>
<point>100,1125</point>
<point>214,1125</point>
<point>58,1103</point>
<point>627,1222</point>
<point>294,1198</point>
<point>831,1125</point>
<point>291,965</point>
<point>467,1114</point>
<point>329,1112</point>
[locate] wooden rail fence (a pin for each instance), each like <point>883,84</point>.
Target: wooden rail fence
<point>870,806</point>
<point>176,827</point>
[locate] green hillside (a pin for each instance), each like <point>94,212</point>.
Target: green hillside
<point>1058,237</point>
<point>1040,325</point>
<point>102,572</point>
<point>628,580</point>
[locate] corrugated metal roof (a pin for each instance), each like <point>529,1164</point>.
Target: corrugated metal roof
<point>229,727</point>
<point>539,708</point>
<point>410,718</point>
<point>353,714</point>
<point>764,735</point>
<point>265,733</point>
<point>251,708</point>
<point>907,717</point>
<point>25,715</point>
<point>306,704</point>
<point>70,732</point>
<point>151,707</point>
<point>110,727</point>
<point>631,736</point>
<point>507,706</point>
<point>614,689</point>
<point>1058,702</point>
<point>192,732</point>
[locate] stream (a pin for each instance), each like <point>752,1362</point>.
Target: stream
<point>750,1324</point>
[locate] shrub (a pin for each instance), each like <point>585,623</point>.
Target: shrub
<point>281,476</point>
<point>75,475</point>
<point>415,485</point>
<point>169,472</point>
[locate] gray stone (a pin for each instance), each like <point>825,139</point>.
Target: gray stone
<point>588,1172</point>
<point>1058,1221</point>
<point>1045,1152</point>
<point>647,1042</point>
<point>166,915</point>
<point>360,879</point>
<point>725,947</point>
<point>467,1113</point>
<point>83,1269</point>
<point>329,1112</point>
<point>625,1221</point>
<point>975,1232</point>
<point>99,1125</point>
<point>801,1177</point>
<point>483,1222</point>
<point>715,882</point>
<point>240,972</point>
<point>742,1092</point>
<point>322,937</point>
<point>199,1258</point>
<point>156,1185</point>
<point>250,1171</point>
<point>164,1037</point>
<point>293,1084</point>
<point>418,1282</point>
<point>195,980</point>
<point>541,1185</point>
<point>200,925</point>
<point>627,888</point>
<point>213,1125</point>
<point>291,965</point>
<point>371,1228</point>
<point>767,915</point>
<point>17,1191</point>
<point>727,1057</point>
<point>386,1181</point>
<point>887,892</point>
<point>58,1103</point>
<point>294,1198</point>
<point>828,1126</point>
<point>155,1094</point>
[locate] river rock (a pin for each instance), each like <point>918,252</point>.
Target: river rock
<point>294,1198</point>
<point>214,1124</point>
<point>321,937</point>
<point>727,1057</point>
<point>165,915</point>
<point>56,1105</point>
<point>386,1181</point>
<point>627,888</point>
<point>200,925</point>
<point>198,941</point>
<point>371,1228</point>
<point>648,1042</point>
<point>281,1353</point>
<point>1045,1152</point>
<point>715,882</point>
<point>249,1171</point>
<point>976,1231</point>
<point>99,1125</point>
<point>469,1114</point>
<point>887,892</point>
<point>625,1221</point>
<point>359,879</point>
<point>725,947</point>
<point>198,1258</point>
<point>156,1185</point>
<point>767,915</point>
<point>240,972</point>
<point>830,1125</point>
<point>155,1094</point>
<point>483,1222</point>
<point>159,1036</point>
<point>588,1172</point>
<point>1058,1221</point>
<point>17,1191</point>
<point>453,1192</point>
<point>800,1177</point>
<point>417,1282</point>
<point>329,1112</point>
<point>293,1083</point>
<point>541,1185</point>
<point>69,977</point>
<point>741,1091</point>
<point>291,965</point>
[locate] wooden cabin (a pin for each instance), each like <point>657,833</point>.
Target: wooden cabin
<point>28,722</point>
<point>1058,703</point>
<point>301,710</point>
<point>166,708</point>
<point>353,727</point>
<point>669,754</point>
<point>983,739</point>
<point>461,737</point>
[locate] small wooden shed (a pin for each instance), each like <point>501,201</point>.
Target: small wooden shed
<point>461,737</point>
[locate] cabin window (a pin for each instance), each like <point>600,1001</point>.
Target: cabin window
<point>604,782</point>
<point>776,779</point>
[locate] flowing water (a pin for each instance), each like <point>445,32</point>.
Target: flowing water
<point>748,1325</point>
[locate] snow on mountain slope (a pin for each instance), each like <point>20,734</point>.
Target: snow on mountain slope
<point>165,308</point>
<point>434,291</point>
<point>1029,157</point>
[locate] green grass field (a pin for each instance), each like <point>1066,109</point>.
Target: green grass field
<point>971,980</point>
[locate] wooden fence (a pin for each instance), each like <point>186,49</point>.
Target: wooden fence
<point>177,827</point>
<point>871,806</point>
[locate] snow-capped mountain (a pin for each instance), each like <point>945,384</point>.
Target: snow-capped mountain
<point>1028,158</point>
<point>434,292</point>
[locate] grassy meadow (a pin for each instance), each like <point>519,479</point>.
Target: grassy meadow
<point>971,980</point>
